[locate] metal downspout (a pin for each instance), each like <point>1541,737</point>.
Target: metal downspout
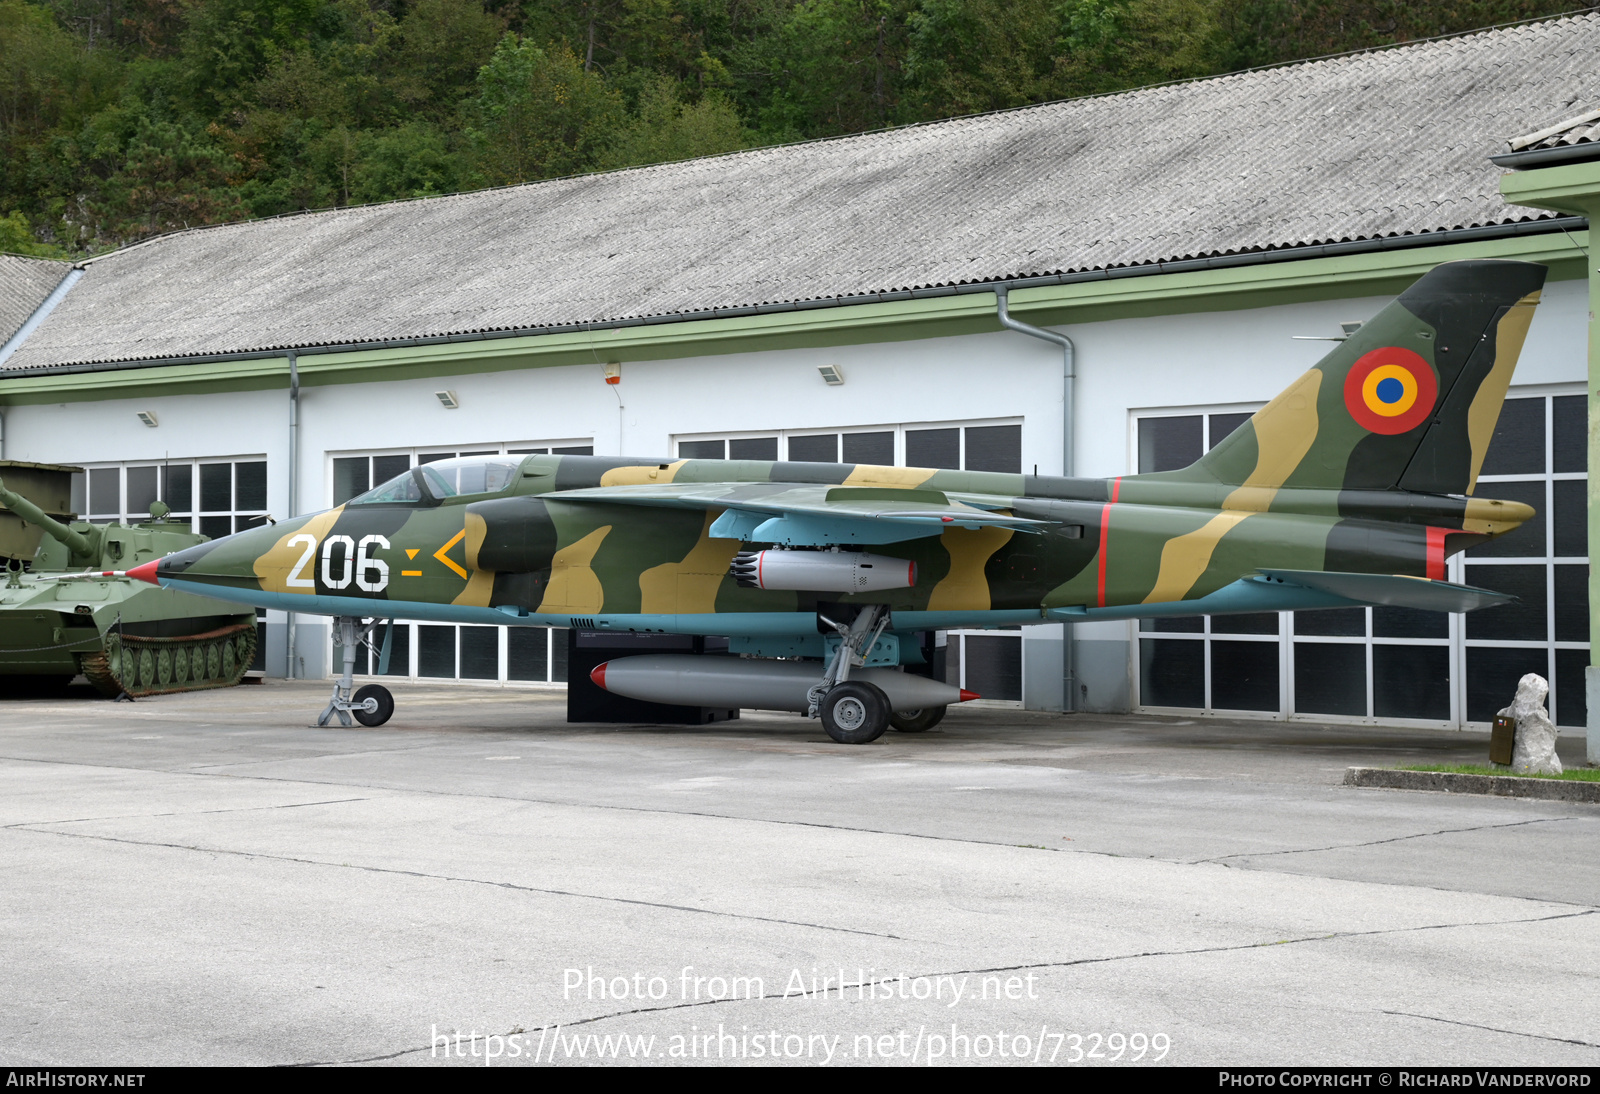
<point>1069,675</point>
<point>293,501</point>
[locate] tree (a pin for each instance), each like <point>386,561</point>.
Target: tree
<point>665,128</point>
<point>171,179</point>
<point>829,66</point>
<point>443,44</point>
<point>966,56</point>
<point>228,44</point>
<point>409,161</point>
<point>1111,45</point>
<point>17,238</point>
<point>1261,32</point>
<point>539,114</point>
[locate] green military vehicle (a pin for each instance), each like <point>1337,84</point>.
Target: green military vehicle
<point>64,610</point>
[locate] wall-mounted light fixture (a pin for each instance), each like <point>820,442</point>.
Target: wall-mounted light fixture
<point>613,372</point>
<point>447,399</point>
<point>148,417</point>
<point>831,374</point>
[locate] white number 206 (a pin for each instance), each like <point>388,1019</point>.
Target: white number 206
<point>354,563</point>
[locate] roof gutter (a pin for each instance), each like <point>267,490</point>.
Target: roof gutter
<point>1544,157</point>
<point>1187,265</point>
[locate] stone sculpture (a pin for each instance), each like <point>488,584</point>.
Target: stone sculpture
<point>1535,750</point>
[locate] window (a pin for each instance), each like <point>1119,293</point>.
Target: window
<point>232,496</point>
<point>232,493</point>
<point>1538,456</point>
<point>954,446</point>
<point>1169,442</point>
<point>434,651</point>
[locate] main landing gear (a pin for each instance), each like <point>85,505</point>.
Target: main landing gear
<point>916,721</point>
<point>373,704</point>
<point>853,712</point>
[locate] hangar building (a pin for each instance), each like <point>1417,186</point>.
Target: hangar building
<point>1199,243</point>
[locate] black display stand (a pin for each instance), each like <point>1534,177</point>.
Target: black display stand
<point>934,664</point>
<point>587,702</point>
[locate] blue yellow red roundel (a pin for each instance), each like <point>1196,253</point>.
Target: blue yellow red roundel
<point>1390,390</point>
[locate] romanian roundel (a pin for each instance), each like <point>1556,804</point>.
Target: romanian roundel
<point>1390,390</point>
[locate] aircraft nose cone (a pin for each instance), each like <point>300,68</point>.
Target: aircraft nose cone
<point>147,572</point>
<point>598,675</point>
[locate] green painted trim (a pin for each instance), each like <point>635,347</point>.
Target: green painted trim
<point>1257,285</point>
<point>1382,273</point>
<point>1569,188</point>
<point>258,374</point>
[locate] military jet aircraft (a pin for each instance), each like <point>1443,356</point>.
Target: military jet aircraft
<point>1351,487</point>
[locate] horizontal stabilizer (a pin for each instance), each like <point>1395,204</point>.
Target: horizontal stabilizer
<point>1392,590</point>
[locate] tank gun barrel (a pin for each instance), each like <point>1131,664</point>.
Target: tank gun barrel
<point>79,543</point>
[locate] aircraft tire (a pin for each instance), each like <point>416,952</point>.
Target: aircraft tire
<point>855,713</point>
<point>917,721</point>
<point>385,705</point>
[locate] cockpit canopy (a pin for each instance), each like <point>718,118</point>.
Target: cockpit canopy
<point>431,483</point>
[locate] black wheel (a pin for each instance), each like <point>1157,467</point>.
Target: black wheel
<point>915,721</point>
<point>855,713</point>
<point>383,705</point>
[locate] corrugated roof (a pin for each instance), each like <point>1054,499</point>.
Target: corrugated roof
<point>1369,145</point>
<point>24,284</point>
<point>1579,130</point>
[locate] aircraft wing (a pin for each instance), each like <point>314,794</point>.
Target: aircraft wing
<point>1393,590</point>
<point>805,515</point>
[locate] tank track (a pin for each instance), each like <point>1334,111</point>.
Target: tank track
<point>162,666</point>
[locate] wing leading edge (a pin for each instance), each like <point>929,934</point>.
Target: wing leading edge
<point>812,515</point>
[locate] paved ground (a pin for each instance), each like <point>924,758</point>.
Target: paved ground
<point>205,879</point>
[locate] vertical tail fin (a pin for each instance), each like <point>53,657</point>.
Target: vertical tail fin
<point>1408,402</point>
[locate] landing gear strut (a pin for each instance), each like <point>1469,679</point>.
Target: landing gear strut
<point>373,704</point>
<point>852,712</point>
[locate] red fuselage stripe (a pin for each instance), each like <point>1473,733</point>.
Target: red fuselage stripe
<point>1105,534</point>
<point>1436,553</point>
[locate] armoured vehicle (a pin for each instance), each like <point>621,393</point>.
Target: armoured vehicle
<point>64,611</point>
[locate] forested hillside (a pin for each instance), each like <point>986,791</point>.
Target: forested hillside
<point>124,118</point>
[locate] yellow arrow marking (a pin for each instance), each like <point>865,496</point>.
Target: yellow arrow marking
<point>439,554</point>
<point>410,573</point>
<point>411,552</point>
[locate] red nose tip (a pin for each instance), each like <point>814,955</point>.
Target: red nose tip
<point>598,675</point>
<point>968,696</point>
<point>147,572</point>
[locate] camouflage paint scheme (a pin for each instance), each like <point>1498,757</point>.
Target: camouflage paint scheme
<point>1363,466</point>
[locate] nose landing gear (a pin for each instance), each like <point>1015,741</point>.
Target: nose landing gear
<point>372,705</point>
